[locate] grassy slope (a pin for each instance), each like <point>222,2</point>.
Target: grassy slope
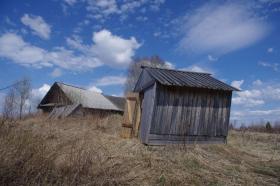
<point>71,152</point>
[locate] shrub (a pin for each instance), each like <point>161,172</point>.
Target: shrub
<point>268,127</point>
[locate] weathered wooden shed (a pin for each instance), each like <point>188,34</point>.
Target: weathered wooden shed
<point>182,107</point>
<point>63,100</point>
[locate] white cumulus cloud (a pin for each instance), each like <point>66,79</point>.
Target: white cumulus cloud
<point>248,98</point>
<point>15,48</point>
<point>257,82</point>
<point>169,65</point>
<point>70,2</point>
<point>251,115</point>
<point>196,68</point>
<point>273,66</point>
<point>111,80</point>
<point>41,91</point>
<point>258,95</point>
<point>237,84</point>
<point>221,28</point>
<point>105,7</point>
<point>100,9</point>
<point>56,72</point>
<point>270,50</point>
<point>37,95</point>
<point>95,89</point>
<point>113,50</point>
<point>106,49</point>
<point>67,59</point>
<point>212,58</point>
<point>38,25</point>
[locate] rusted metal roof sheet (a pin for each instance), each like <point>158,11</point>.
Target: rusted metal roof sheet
<point>171,77</point>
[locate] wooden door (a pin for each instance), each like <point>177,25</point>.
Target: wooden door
<point>131,117</point>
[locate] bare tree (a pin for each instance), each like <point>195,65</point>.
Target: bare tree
<point>9,107</point>
<point>23,89</point>
<point>134,69</point>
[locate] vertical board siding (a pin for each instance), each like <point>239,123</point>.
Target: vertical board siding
<point>147,112</point>
<point>188,112</point>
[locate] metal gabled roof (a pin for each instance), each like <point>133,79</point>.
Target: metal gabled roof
<point>89,99</point>
<point>172,77</point>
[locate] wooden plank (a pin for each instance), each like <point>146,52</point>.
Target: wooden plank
<point>146,116</point>
<point>125,114</point>
<point>127,125</point>
<point>216,110</point>
<point>177,137</point>
<point>224,115</point>
<point>197,114</point>
<point>210,115</point>
<point>126,132</point>
<point>171,139</point>
<point>193,114</point>
<point>207,115</point>
<point>201,126</point>
<point>129,112</point>
<point>188,113</point>
<point>228,111</point>
<point>174,112</point>
<point>132,114</point>
<point>137,117</point>
<point>219,114</point>
<point>132,95</point>
<point>186,141</point>
<point>181,122</point>
<point>167,119</point>
<point>145,109</point>
<point>152,108</point>
<point>163,124</point>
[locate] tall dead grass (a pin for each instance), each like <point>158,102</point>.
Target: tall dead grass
<point>89,151</point>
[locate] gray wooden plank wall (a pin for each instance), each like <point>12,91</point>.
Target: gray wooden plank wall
<point>190,112</point>
<point>147,112</point>
<point>144,80</point>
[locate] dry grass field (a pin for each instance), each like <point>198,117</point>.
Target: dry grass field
<point>90,152</point>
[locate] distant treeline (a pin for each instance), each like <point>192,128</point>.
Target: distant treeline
<point>258,127</point>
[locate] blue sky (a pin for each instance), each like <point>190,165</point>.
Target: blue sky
<point>90,43</point>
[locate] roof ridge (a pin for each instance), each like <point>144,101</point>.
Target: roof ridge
<point>70,85</point>
<point>58,82</point>
<point>112,96</point>
<point>176,70</point>
<point>171,77</point>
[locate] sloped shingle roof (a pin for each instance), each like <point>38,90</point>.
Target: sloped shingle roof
<point>90,99</point>
<point>171,77</point>
<point>118,101</point>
